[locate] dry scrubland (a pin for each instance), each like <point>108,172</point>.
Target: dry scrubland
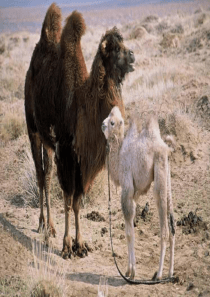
<point>172,80</point>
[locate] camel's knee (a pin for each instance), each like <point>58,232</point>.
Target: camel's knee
<point>128,204</point>
<point>172,224</point>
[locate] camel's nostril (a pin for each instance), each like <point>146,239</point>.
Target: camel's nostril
<point>103,127</point>
<point>131,56</point>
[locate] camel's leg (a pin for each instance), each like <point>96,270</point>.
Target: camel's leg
<point>81,249</point>
<point>128,208</point>
<point>67,241</point>
<point>48,169</point>
<point>36,148</point>
<point>160,193</point>
<point>171,222</point>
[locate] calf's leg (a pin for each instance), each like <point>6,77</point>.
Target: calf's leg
<point>128,208</point>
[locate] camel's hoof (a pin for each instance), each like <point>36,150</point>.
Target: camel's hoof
<point>81,250</point>
<point>52,232</point>
<point>41,228</point>
<point>154,278</point>
<point>127,274</point>
<point>66,252</point>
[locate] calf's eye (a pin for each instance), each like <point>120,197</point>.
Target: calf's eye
<point>112,123</point>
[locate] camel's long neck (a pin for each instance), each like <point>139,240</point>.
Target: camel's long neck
<point>114,158</point>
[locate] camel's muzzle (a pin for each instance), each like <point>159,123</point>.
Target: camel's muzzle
<point>131,61</point>
<point>103,127</point>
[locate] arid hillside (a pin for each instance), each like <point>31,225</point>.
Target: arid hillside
<point>171,81</point>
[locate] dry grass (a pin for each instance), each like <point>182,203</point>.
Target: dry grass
<point>29,180</point>
<point>12,126</point>
<point>47,275</point>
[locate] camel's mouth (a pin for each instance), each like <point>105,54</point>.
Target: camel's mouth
<point>131,67</point>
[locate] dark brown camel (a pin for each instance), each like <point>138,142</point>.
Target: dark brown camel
<point>65,108</point>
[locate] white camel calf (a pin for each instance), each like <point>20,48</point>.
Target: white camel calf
<point>134,163</point>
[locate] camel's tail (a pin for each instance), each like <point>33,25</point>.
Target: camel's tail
<point>73,30</point>
<point>51,28</point>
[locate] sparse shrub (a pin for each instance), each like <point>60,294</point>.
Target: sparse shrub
<point>151,18</point>
<point>200,20</point>
<point>138,32</point>
<point>47,275</point>
<point>45,289</point>
<point>29,180</point>
<point>170,40</point>
<point>161,27</point>
<point>2,46</point>
<point>12,126</point>
<point>178,29</point>
<point>148,27</point>
<point>195,43</point>
<point>199,10</point>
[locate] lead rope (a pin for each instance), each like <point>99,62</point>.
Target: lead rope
<point>137,282</point>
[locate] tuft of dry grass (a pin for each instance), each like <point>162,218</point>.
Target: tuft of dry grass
<point>29,180</point>
<point>12,127</point>
<point>170,40</point>
<point>47,276</point>
<point>138,32</point>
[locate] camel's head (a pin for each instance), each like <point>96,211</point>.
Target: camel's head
<point>113,125</point>
<point>117,59</point>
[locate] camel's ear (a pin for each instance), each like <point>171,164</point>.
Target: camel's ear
<point>47,33</point>
<point>103,47</point>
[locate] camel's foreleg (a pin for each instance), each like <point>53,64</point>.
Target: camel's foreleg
<point>67,241</point>
<point>81,247</point>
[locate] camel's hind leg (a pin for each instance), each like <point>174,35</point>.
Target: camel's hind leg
<point>48,169</point>
<point>128,208</point>
<point>36,148</point>
<point>160,193</point>
<point>171,222</point>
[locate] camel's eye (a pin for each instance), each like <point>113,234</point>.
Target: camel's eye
<point>112,123</point>
<point>120,122</point>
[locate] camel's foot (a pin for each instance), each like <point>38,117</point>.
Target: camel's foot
<point>67,251</point>
<point>51,229</point>
<point>81,249</point>
<point>155,276</point>
<point>130,273</point>
<point>42,224</point>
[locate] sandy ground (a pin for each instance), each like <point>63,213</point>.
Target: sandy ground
<point>190,190</point>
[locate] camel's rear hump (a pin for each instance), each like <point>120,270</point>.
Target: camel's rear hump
<point>73,30</point>
<point>51,28</point>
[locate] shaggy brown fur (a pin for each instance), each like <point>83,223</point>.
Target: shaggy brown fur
<point>65,108</point>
